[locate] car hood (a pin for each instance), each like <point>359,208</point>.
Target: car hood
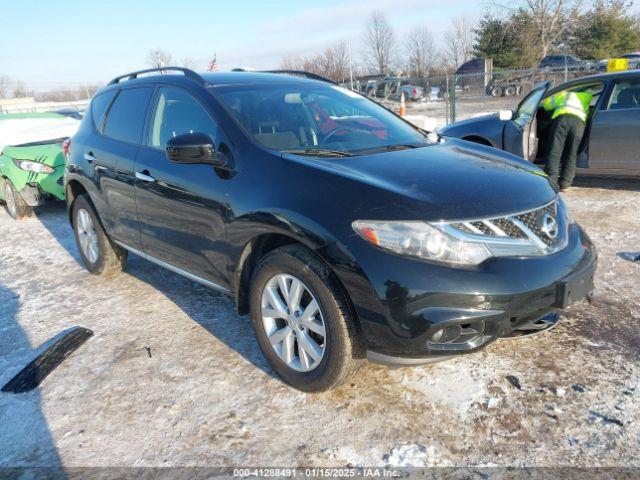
<point>472,125</point>
<point>448,181</point>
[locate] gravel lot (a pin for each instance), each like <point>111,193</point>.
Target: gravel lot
<point>172,376</point>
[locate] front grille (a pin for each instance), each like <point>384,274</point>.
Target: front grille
<point>530,219</point>
<point>541,227</point>
<point>60,181</point>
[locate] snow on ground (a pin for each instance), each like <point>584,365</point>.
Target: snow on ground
<point>173,376</point>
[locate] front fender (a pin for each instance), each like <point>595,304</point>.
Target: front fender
<point>488,127</point>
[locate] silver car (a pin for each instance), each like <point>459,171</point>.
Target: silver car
<point>611,143</point>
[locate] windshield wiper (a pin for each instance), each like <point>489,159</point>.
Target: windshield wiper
<point>319,152</point>
<point>396,147</point>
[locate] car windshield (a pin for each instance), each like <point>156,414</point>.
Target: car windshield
<point>316,119</point>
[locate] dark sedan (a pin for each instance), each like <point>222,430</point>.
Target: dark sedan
<point>611,144</point>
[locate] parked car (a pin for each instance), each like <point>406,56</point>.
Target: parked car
<point>393,87</point>
<point>633,62</point>
<point>344,230</point>
<point>32,160</point>
<point>560,62</point>
<point>611,144</point>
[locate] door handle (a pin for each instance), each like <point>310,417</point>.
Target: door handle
<point>144,176</point>
<point>89,157</point>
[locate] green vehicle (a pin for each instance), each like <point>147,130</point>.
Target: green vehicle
<point>32,160</point>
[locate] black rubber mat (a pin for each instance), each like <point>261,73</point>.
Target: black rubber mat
<point>33,374</point>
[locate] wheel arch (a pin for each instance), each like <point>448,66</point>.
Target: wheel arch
<point>73,190</point>
<point>478,139</point>
<point>253,250</point>
<point>261,245</point>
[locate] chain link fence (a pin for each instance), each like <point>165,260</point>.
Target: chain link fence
<point>448,98</point>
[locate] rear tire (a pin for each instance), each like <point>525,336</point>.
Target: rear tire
<point>340,350</point>
<point>14,204</point>
<point>99,254</point>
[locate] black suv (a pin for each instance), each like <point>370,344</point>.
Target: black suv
<point>347,232</point>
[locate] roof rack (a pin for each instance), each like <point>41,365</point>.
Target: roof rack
<point>133,75</point>
<point>300,73</point>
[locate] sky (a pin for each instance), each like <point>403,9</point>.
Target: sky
<point>58,43</point>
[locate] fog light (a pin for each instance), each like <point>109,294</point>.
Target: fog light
<point>446,334</point>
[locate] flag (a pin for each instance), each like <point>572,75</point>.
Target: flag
<point>213,64</point>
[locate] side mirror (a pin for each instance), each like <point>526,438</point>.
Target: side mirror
<point>193,147</point>
<point>505,115</point>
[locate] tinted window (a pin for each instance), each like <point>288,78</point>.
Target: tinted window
<point>177,112</point>
<point>126,116</point>
<point>625,95</point>
<point>306,115</point>
<point>99,106</point>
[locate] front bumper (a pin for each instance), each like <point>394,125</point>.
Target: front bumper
<point>469,307</point>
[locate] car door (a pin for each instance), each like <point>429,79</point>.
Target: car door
<point>519,134</point>
<point>181,207</point>
<point>112,154</point>
<point>614,142</point>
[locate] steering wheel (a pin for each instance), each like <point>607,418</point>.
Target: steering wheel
<point>335,131</point>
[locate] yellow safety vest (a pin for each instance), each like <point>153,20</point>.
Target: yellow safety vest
<point>569,103</point>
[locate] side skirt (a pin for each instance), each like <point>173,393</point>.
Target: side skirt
<point>177,270</point>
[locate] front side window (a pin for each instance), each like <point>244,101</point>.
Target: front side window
<point>309,116</point>
<point>176,112</point>
<point>625,95</point>
<point>528,107</point>
<point>125,119</point>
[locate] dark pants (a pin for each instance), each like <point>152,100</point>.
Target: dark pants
<point>565,135</point>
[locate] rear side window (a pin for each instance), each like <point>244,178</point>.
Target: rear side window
<point>99,106</point>
<point>125,120</point>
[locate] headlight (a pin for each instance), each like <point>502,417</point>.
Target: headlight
<point>35,167</point>
<point>565,210</point>
<point>420,239</point>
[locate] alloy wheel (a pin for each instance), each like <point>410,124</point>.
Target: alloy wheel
<point>293,322</point>
<point>87,236</point>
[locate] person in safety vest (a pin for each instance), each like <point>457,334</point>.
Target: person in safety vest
<point>570,111</point>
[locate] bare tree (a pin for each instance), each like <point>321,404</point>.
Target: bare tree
<point>379,43</point>
<point>158,58</point>
<point>421,52</point>
<point>4,85</point>
<point>63,94</point>
<point>293,62</point>
<point>21,90</point>
<point>458,40</point>
<point>551,19</point>
<point>332,63</point>
<point>189,62</point>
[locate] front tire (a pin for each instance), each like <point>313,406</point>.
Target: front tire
<point>14,204</point>
<point>99,254</point>
<point>302,320</point>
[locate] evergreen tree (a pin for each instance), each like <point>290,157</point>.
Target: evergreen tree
<point>606,31</point>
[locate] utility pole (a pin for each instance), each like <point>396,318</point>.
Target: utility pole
<point>350,67</point>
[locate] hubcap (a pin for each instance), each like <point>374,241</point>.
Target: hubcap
<point>9,199</point>
<point>87,236</point>
<point>293,322</point>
